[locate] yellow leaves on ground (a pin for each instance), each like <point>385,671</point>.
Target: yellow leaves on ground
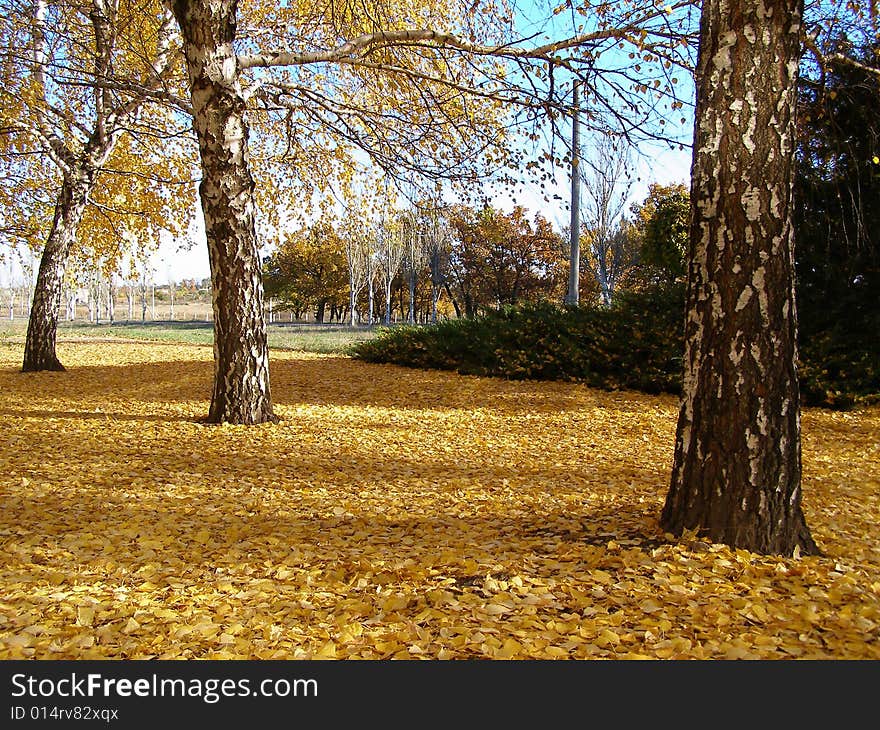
<point>395,514</point>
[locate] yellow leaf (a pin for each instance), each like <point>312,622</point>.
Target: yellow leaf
<point>85,615</point>
<point>495,609</point>
<point>757,611</point>
<point>439,597</point>
<point>649,605</point>
<point>395,603</point>
<point>207,629</point>
<point>510,648</point>
<point>556,652</point>
<point>738,652</point>
<point>607,637</point>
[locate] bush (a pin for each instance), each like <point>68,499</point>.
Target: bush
<point>637,343</point>
<point>839,346</point>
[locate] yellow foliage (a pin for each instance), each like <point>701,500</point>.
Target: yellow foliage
<point>395,513</point>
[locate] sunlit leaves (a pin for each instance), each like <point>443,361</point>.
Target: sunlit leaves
<point>308,269</point>
<point>395,514</point>
<point>76,77</point>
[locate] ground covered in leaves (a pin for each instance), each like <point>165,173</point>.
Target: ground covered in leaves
<point>395,513</point>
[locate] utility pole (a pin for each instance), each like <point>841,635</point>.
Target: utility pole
<point>574,262</point>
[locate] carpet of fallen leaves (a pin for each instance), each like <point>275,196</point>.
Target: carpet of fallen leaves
<point>395,513</point>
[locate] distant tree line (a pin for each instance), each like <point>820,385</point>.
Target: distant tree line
<point>459,261</point>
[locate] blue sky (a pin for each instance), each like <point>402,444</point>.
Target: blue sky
<point>654,163</point>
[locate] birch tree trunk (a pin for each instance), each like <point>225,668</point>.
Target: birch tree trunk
<point>436,282</point>
<point>411,309</point>
<point>79,158</point>
<point>737,469</point>
<point>39,349</point>
<point>241,392</point>
<point>574,254</point>
<point>111,300</point>
<point>352,306</point>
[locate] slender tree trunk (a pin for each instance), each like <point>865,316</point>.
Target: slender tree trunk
<point>436,282</point>
<point>39,349</point>
<point>455,304</point>
<point>411,292</point>
<point>94,299</point>
<point>603,277</point>
<point>352,306</point>
<point>241,392</point>
<point>737,468</point>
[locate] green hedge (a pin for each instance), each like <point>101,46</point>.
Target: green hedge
<point>636,344</point>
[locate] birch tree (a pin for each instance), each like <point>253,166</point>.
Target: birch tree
<point>414,259</point>
<point>606,187</point>
<point>77,77</point>
<point>357,254</point>
<point>418,88</point>
<point>438,238</point>
<point>737,468</point>
<point>393,246</point>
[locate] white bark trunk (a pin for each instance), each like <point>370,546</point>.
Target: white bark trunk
<point>737,470</point>
<point>241,355</point>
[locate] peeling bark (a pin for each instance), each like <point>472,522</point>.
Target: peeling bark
<point>241,393</point>
<point>39,349</point>
<point>737,470</point>
<point>79,162</point>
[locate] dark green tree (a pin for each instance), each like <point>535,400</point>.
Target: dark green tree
<point>661,225</point>
<point>665,236</point>
<point>838,175</point>
<point>837,225</point>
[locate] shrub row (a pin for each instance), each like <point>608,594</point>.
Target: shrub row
<point>636,344</point>
<point>839,346</point>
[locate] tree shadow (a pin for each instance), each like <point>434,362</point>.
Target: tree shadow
<point>334,381</point>
<point>92,415</point>
<point>139,521</point>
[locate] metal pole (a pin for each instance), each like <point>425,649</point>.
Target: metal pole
<point>574,263</point>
